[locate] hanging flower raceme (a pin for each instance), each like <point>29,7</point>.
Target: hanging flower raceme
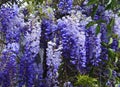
<point>107,15</point>
<point>116,31</point>
<point>10,25</point>
<point>93,41</point>
<point>47,29</point>
<point>93,44</point>
<point>27,72</point>
<point>8,66</point>
<point>53,63</point>
<point>47,25</point>
<point>73,39</point>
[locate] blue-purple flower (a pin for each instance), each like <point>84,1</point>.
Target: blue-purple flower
<point>53,62</point>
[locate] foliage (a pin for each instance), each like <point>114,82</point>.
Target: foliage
<point>86,81</point>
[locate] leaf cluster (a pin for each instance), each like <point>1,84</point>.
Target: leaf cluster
<point>86,81</point>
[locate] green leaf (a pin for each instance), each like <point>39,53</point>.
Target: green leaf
<point>41,1</point>
<point>112,22</point>
<point>104,44</point>
<point>110,72</point>
<point>115,36</point>
<point>110,41</point>
<point>40,10</point>
<point>100,21</point>
<point>90,24</point>
<point>94,11</point>
<point>116,59</point>
<point>110,26</point>
<point>97,29</point>
<point>117,85</point>
<point>91,2</point>
<point>108,7</point>
<point>110,1</point>
<point>118,43</point>
<point>112,4</point>
<point>49,1</point>
<point>111,53</point>
<point>86,81</point>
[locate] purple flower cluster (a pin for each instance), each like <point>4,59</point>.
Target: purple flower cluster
<point>73,39</point>
<point>35,49</point>
<point>65,5</point>
<point>53,63</point>
<point>11,25</point>
<point>48,29</point>
<point>80,44</point>
<point>93,45</point>
<point>21,47</point>
<point>117,26</point>
<point>31,48</point>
